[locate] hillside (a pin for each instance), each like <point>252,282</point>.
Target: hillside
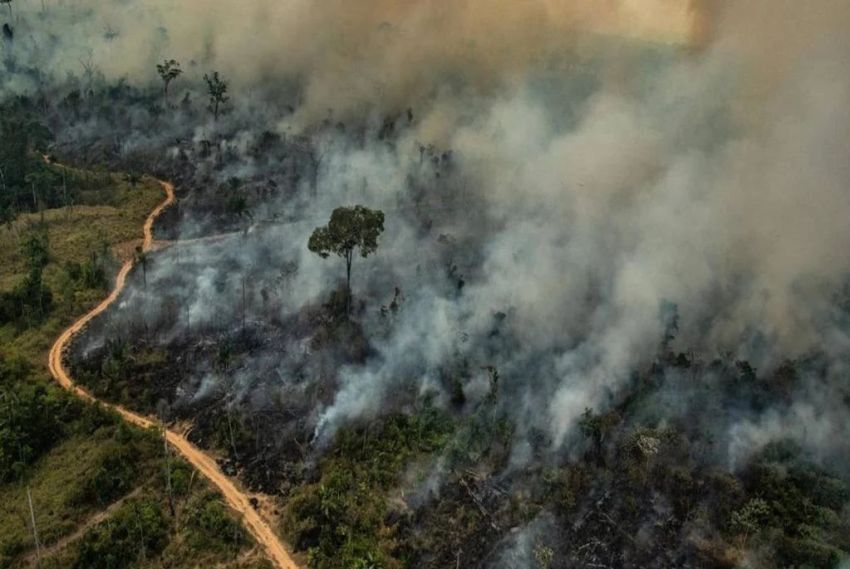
<point>95,483</point>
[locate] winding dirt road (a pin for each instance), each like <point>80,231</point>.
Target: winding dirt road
<point>258,527</point>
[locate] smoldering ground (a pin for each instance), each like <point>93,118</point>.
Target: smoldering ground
<point>575,196</point>
<point>565,205</point>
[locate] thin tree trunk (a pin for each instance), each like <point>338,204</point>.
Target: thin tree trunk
<point>348,260</point>
<point>232,439</point>
<point>65,191</point>
<point>34,528</point>
<point>168,472</point>
<point>141,535</point>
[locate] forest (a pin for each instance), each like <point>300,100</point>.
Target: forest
<point>562,288</point>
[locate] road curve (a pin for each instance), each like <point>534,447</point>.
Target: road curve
<point>237,500</point>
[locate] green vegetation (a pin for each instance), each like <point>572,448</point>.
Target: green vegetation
<point>217,91</point>
<point>138,531</point>
<point>30,300</point>
<point>349,229</point>
<point>798,511</point>
<point>29,184</point>
<point>98,486</point>
<point>168,71</point>
<point>212,528</point>
<point>25,182</point>
<point>782,510</point>
<point>340,520</point>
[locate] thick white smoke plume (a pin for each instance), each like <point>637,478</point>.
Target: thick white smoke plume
<point>605,159</point>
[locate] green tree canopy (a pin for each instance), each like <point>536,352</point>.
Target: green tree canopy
<point>217,90</point>
<point>350,229</point>
<point>168,70</point>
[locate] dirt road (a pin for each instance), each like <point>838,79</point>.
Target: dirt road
<point>237,499</point>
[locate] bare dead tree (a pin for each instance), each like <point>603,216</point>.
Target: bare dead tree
<point>34,527</point>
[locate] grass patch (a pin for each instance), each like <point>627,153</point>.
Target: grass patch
<point>59,484</point>
<point>78,459</point>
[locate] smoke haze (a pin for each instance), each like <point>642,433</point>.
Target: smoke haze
<point>590,164</point>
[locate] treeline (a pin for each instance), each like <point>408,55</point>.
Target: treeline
<point>30,301</point>
<point>28,182</point>
<point>36,418</point>
<point>25,181</point>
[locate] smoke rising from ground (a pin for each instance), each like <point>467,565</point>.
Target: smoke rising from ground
<point>351,58</point>
<point>600,169</point>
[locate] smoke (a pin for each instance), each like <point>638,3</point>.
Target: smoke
<point>349,58</point>
<point>589,165</point>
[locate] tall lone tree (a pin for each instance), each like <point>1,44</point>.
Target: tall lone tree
<point>217,89</point>
<point>168,70</point>
<point>349,229</point>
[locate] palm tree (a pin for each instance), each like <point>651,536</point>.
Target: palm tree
<point>168,70</point>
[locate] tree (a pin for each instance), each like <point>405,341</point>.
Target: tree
<point>30,298</point>
<point>36,249</point>
<point>132,178</point>
<point>349,228</point>
<point>543,555</point>
<point>749,519</point>
<point>14,152</point>
<point>217,89</point>
<point>168,70</point>
<point>142,259</point>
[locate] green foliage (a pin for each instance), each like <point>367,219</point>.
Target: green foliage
<point>750,518</point>
<point>75,457</point>
<point>30,301</point>
<point>564,486</point>
<point>807,554</point>
<point>212,527</point>
<point>597,428</point>
<point>29,420</point>
<point>349,228</point>
<point>132,178</point>
<point>34,417</point>
<point>181,477</point>
<point>168,71</point>
<point>89,275</point>
<point>27,428</point>
<point>485,434</point>
<point>116,474</point>
<point>237,205</point>
<point>137,531</point>
<point>35,248</point>
<point>341,519</point>
<point>796,507</point>
<point>22,173</point>
<point>217,91</point>
<point>543,556</point>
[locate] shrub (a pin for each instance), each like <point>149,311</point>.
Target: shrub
<point>137,531</point>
